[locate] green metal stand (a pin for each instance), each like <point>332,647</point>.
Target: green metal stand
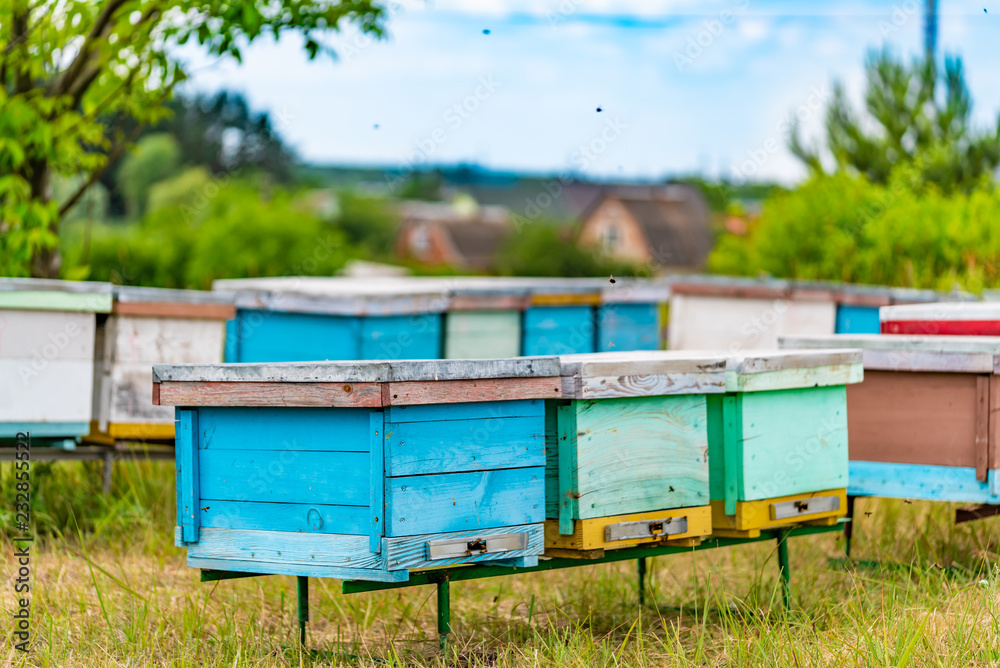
<point>444,612</point>
<point>849,525</point>
<point>783,570</point>
<point>443,577</point>
<point>641,562</point>
<point>303,592</point>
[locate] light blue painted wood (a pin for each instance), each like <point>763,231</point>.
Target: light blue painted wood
<point>628,327</point>
<point>453,446</point>
<point>401,337</point>
<point>276,336</point>
<point>320,429</point>
<point>288,476</point>
<point>305,570</point>
<point>637,454</point>
<point>857,319</point>
<point>411,552</point>
<point>304,517</point>
<point>914,481</point>
<point>464,501</point>
<point>232,350</point>
<point>558,330</point>
<point>376,506</point>
<point>188,473</point>
<point>472,411</point>
<point>286,547</point>
<point>45,429</point>
<point>793,441</point>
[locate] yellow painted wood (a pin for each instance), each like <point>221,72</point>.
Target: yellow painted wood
<point>125,430</point>
<point>756,515</point>
<point>589,534</point>
<point>585,299</point>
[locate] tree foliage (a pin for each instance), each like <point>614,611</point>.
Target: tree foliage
<point>913,114</point>
<point>231,232</point>
<point>843,227</point>
<point>543,248</point>
<point>74,72</point>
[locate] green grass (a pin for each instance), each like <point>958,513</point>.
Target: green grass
<point>110,589</point>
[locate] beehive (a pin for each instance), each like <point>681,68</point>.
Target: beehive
<point>308,318</point>
<point>778,439</point>
<point>360,470</point>
<point>627,450</point>
<point>738,314</point>
<point>47,338</point>
<point>951,318</point>
<point>150,326</point>
<point>858,306</point>
<point>561,318</point>
<point>484,318</point>
<point>924,423</point>
<point>629,315</point>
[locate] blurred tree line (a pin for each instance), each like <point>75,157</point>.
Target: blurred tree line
<point>902,193</point>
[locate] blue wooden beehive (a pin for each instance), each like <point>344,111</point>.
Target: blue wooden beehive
<point>360,470</point>
<point>561,318</point>
<point>629,315</point>
<point>307,318</point>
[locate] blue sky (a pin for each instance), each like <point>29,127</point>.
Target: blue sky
<point>684,86</point>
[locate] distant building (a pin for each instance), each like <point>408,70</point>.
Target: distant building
<point>666,226</point>
<point>459,234</point>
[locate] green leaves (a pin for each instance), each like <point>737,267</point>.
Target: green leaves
<point>76,72</point>
<point>904,233</point>
<point>906,120</point>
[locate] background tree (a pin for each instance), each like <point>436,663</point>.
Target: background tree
<point>907,119</point>
<point>75,73</point>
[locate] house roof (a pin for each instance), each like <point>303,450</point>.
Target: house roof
<point>673,218</point>
<point>475,234</point>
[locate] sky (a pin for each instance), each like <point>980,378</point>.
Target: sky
<point>683,86</point>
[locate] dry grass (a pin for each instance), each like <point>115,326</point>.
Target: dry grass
<point>922,592</point>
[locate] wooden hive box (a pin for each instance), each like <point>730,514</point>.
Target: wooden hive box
<point>561,317</point>
<point>727,313</point>
<point>627,450</point>
<point>952,318</point>
<point>308,319</point>
<point>484,318</point>
<point>629,315</point>
<point>150,326</point>
<point>47,336</point>
<point>778,439</point>
<point>925,423</point>
<point>360,470</point>
<point>858,305</point>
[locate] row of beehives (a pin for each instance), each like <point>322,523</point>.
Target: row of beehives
<point>410,465</point>
<point>76,357</point>
<point>367,470</point>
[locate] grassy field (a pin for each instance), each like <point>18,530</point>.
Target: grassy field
<point>110,589</point>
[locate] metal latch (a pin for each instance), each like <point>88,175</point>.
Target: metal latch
<point>453,548</point>
<point>667,526</point>
<point>815,505</point>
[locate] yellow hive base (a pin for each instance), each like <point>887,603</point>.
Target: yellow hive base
<point>128,431</point>
<point>752,516</point>
<point>588,535</point>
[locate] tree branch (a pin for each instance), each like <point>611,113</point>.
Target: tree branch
<point>116,152</point>
<point>68,79</point>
